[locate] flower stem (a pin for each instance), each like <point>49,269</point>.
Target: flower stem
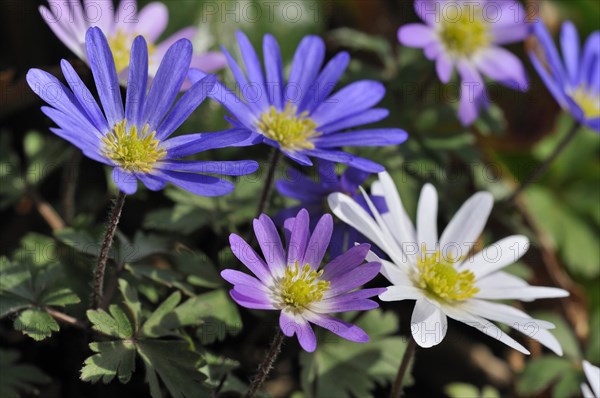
<point>406,357</point>
<point>266,365</point>
<point>543,167</point>
<point>113,221</point>
<point>265,196</point>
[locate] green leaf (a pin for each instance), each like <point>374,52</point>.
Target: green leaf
<point>200,269</point>
<point>539,373</point>
<point>132,302</point>
<point>220,316</point>
<point>463,390</point>
<point>342,368</point>
<point>177,366</point>
<point>143,246</point>
<point>60,297</point>
<point>183,219</point>
<point>18,378</point>
<point>115,324</point>
<point>593,349</point>
<point>166,277</point>
<point>577,242</point>
<point>112,358</point>
<point>36,324</point>
<point>568,385</point>
<point>163,319</point>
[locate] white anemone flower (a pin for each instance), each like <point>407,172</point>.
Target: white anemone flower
<point>593,376</point>
<point>442,273</point>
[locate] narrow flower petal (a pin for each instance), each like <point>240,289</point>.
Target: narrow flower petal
<point>270,244</point>
<point>298,239</point>
<point>198,184</point>
<point>246,254</point>
<point>428,324</point>
<point>251,302</point>
<point>399,293</point>
<point>126,182</point>
<point>465,227</point>
<point>497,256</point>
<point>427,219</point>
<point>523,293</point>
<point>416,35</point>
<point>343,329</point>
<point>137,81</point>
<point>346,262</point>
<point>593,375</point>
<point>319,241</point>
<point>105,75</point>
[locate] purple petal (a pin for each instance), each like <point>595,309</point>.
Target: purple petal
<point>270,244</point>
<point>346,262</point>
<point>253,68</point>
<point>137,82</point>
<point>171,73</point>
<point>343,329</point>
<point>152,20</point>
<point>306,64</point>
<point>252,302</point>
<point>427,10</point>
<point>238,108</point>
<point>503,66</point>
<point>274,70</point>
<point>569,40</point>
<point>339,304</point>
<point>365,117</point>
<point>185,106</point>
<point>84,97</point>
<point>151,182</point>
<point>319,241</point>
<point>444,67</point>
<point>199,184</point>
<point>246,254</point>
<point>105,75</point>
<point>298,239</point>
<point>366,165</point>
<point>239,278</point>
<point>416,35</point>
<point>189,144</point>
<point>371,137</point>
<point>297,325</point>
<point>348,101</point>
<point>224,167</point>
<point>325,83</point>
<point>351,280</point>
<point>472,87</point>
<point>125,181</point>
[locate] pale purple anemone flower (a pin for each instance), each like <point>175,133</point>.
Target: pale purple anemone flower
<point>468,35</point>
<point>295,283</point>
<point>70,20</point>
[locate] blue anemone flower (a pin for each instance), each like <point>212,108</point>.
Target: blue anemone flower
<point>135,140</point>
<point>312,195</point>
<point>301,117</point>
<point>575,84</point>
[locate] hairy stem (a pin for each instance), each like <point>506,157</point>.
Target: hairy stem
<point>406,357</point>
<point>66,319</point>
<point>265,196</point>
<point>113,221</point>
<point>267,364</point>
<point>543,167</point>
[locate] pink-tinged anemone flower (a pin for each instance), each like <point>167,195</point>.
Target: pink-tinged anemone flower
<point>296,284</point>
<point>70,20</point>
<point>467,35</point>
<point>573,81</point>
<point>442,272</point>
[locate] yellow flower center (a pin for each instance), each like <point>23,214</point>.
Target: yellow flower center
<point>589,103</point>
<point>292,131</point>
<point>132,151</point>
<point>465,34</point>
<point>439,277</point>
<point>300,287</point>
<point>120,46</point>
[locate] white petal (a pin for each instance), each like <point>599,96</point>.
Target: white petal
<point>497,256</point>
<point>516,319</point>
<point>397,275</point>
<point>501,279</point>
<point>524,293</point>
<point>398,293</point>
<point>466,225</point>
<point>428,324</point>
<point>485,326</point>
<point>593,375</point>
<point>350,212</point>
<point>405,227</point>
<point>427,218</point>
<point>586,392</point>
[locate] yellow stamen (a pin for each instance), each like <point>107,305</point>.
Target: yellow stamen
<point>120,46</point>
<point>589,103</point>
<point>465,34</point>
<point>132,151</point>
<point>300,287</point>
<point>439,277</point>
<point>292,131</point>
